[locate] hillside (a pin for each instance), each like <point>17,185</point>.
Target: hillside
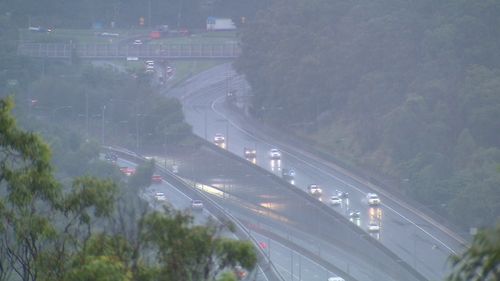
<point>408,88</point>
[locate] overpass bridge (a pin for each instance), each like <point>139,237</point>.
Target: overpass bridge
<point>116,51</point>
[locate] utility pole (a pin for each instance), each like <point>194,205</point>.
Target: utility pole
<point>87,114</point>
<point>149,13</point>
<point>102,125</point>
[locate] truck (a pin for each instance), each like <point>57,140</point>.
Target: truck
<point>220,24</point>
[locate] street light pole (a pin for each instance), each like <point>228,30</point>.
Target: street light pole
<point>227,134</point>
<point>137,132</point>
<point>87,115</point>
<point>102,125</point>
<point>205,119</point>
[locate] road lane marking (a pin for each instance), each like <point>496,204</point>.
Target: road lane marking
<point>217,100</point>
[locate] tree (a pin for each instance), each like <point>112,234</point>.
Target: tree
<point>186,252</point>
<point>28,193</point>
<point>481,261</point>
<point>42,224</point>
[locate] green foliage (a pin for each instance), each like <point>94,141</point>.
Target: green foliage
<point>142,177</point>
<point>86,232</point>
<point>33,201</point>
<point>227,276</point>
<point>187,252</point>
<point>164,124</point>
<point>481,261</point>
<point>90,192</point>
<point>103,258</point>
<point>99,268</point>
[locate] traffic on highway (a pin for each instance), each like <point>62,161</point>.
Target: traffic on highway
<point>416,239</point>
<point>161,193</point>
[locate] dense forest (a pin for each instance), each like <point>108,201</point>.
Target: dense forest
<point>408,88</point>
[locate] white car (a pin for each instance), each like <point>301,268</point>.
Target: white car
<point>335,200</point>
<point>137,42</point>
<point>373,227</point>
<point>372,199</point>
<point>220,140</point>
<point>197,205</point>
<point>150,68</point>
<point>160,196</point>
<point>336,279</point>
<point>274,153</point>
<point>314,189</point>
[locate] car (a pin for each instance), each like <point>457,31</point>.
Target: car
<point>110,156</point>
<point>197,205</point>
<point>240,272</point>
<point>231,96</point>
<point>250,153</point>
<point>372,199</point>
<point>288,175</point>
<point>156,178</point>
<point>274,153</point>
<point>220,140</point>
<point>150,62</point>
<point>354,214</point>
<point>150,67</point>
<point>315,189</point>
<point>335,200</point>
<point>373,227</point>
<point>160,196</point>
<point>109,34</point>
<point>128,171</point>
<point>336,279</point>
<point>137,42</point>
<point>375,213</point>
<point>170,70</point>
<point>342,194</point>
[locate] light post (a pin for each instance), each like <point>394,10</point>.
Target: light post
<point>87,115</point>
<point>135,105</point>
<point>205,121</point>
<point>136,132</point>
<point>102,124</point>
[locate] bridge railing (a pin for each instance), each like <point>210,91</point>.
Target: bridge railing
<point>111,51</point>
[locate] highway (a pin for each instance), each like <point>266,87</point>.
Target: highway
<point>268,207</point>
<point>418,241</point>
<point>282,256</point>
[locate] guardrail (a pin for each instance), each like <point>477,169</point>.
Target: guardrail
<point>242,232</point>
<point>329,211</point>
<point>324,208</point>
<point>116,51</point>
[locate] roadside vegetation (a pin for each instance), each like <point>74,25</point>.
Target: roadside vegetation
<point>410,90</point>
<point>96,229</point>
<point>407,89</point>
<point>65,213</point>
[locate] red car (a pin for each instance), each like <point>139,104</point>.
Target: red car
<point>128,171</point>
<point>156,179</point>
